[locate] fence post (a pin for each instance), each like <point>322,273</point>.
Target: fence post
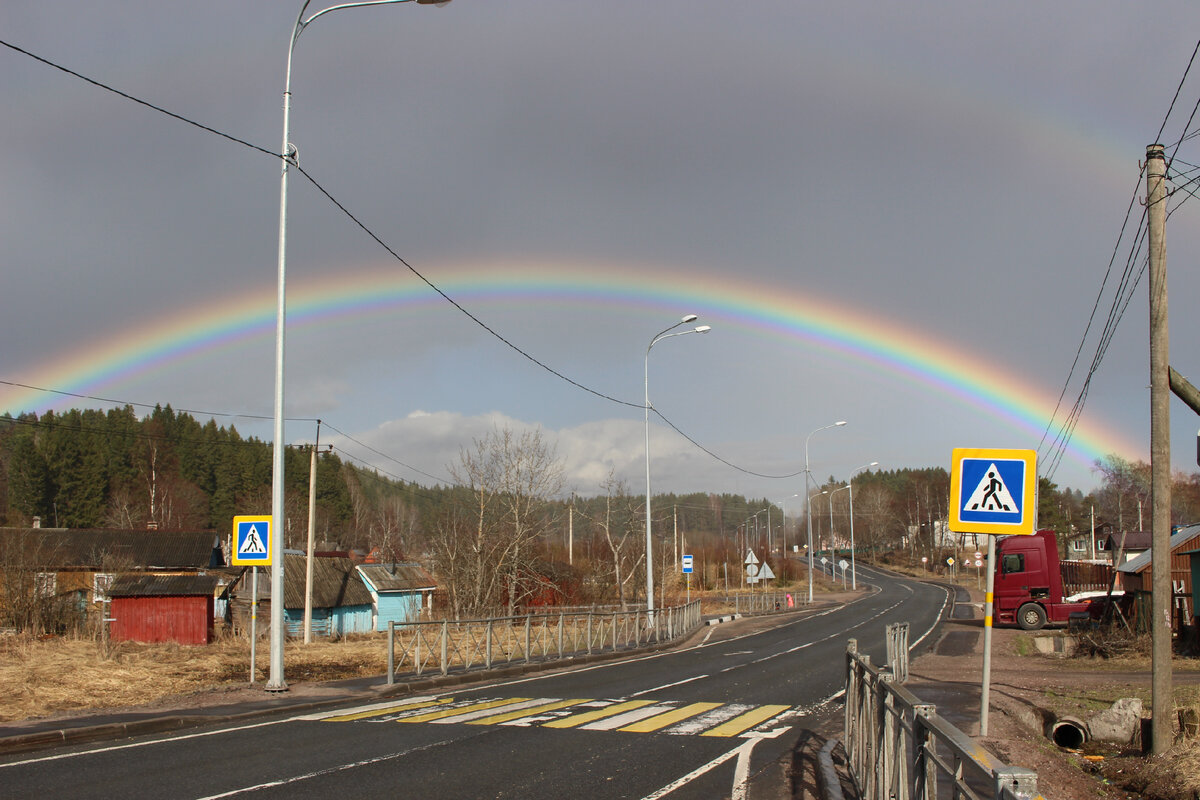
<point>417,649</point>
<point>614,631</point>
<point>528,618</point>
<point>487,647</point>
<point>560,635</point>
<point>589,633</point>
<point>445,645</point>
<point>391,661</point>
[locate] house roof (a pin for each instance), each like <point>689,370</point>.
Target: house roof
<point>162,585</point>
<point>403,577</point>
<point>1134,540</point>
<point>110,550</point>
<point>1179,539</point>
<point>335,583</point>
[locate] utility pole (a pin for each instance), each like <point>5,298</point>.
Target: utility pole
<point>1160,453</point>
<point>571,531</point>
<point>312,527</point>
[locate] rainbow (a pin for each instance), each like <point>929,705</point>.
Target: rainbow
<point>815,322</point>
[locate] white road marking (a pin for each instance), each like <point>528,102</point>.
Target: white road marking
<point>668,685</point>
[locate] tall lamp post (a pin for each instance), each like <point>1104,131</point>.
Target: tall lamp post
<point>809,499</point>
<point>275,681</point>
<point>665,334</point>
<point>850,486</point>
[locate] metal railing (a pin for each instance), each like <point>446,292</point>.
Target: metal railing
<point>760,602</point>
<point>440,646</point>
<point>899,748</point>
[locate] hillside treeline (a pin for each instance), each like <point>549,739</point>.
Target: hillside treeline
<point>508,532</point>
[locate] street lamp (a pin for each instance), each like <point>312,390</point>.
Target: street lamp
<point>665,334</point>
<point>809,515</point>
<point>276,681</point>
<point>850,486</point>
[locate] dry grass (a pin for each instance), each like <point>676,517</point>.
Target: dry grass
<point>63,675</point>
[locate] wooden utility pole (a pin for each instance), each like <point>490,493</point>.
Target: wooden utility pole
<point>312,527</point>
<point>1160,453</point>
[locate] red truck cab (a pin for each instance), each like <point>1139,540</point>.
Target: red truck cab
<point>1031,582</point>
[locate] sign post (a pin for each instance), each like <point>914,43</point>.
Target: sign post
<point>993,492</point>
<point>687,570</point>
<point>252,546</point>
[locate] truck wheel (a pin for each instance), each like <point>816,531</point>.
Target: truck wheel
<point>1031,617</point>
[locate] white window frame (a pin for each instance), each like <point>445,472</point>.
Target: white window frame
<point>101,583</point>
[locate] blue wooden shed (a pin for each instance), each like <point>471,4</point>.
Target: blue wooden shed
<point>399,592</point>
<point>341,603</point>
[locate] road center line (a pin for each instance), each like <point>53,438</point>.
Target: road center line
<point>667,686</point>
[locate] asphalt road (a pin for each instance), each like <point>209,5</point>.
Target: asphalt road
<point>698,722</point>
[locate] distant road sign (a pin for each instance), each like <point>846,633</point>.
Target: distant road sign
<point>993,491</point>
<point>687,564</point>
<point>251,541</point>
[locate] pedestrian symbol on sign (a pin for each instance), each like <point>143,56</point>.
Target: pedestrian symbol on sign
<point>252,545</point>
<point>991,494</point>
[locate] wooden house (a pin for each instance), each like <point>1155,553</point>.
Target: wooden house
<point>341,603</point>
<point>1136,575</point>
<point>73,567</point>
<point>162,608</point>
<point>1128,544</point>
<point>399,592</point>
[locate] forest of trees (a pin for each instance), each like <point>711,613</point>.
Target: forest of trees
<point>506,534</point>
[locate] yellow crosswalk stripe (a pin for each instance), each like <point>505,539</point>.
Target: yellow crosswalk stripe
<point>454,712</point>
<point>379,712</point>
<point>525,712</point>
<point>601,713</point>
<point>660,721</point>
<point>743,722</point>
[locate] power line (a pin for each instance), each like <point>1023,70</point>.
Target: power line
<point>340,206</point>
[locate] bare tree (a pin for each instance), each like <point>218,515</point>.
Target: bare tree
<point>618,526</point>
<point>486,552</point>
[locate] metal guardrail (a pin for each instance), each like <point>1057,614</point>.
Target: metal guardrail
<point>899,748</point>
<point>760,602</point>
<point>440,646</point>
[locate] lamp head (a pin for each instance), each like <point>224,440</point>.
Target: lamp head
<point>690,318</point>
<point>839,424</point>
<point>703,328</point>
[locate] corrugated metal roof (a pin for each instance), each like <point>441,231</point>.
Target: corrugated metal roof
<point>1138,564</point>
<point>107,549</point>
<point>162,585</point>
<point>403,577</point>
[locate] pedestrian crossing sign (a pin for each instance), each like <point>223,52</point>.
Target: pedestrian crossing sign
<point>251,541</point>
<point>993,491</point>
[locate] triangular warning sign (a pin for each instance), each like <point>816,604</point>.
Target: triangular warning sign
<point>751,558</point>
<point>992,495</point>
<point>252,544</point>
<point>765,573</point>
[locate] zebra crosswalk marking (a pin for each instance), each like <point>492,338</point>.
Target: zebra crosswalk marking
<point>744,722</point>
<point>627,716</point>
<point>525,712</point>
<point>464,711</point>
<point>391,709</point>
<point>669,718</point>
<point>601,713</point>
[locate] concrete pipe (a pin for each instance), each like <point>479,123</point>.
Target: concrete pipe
<point>1069,732</point>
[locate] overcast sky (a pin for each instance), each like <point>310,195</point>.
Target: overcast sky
<point>899,215</point>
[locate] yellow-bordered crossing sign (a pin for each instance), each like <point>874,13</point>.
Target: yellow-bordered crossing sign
<point>251,541</point>
<point>993,491</point>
